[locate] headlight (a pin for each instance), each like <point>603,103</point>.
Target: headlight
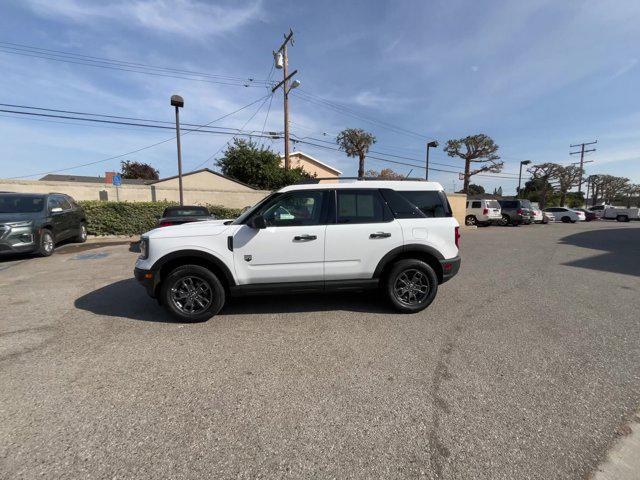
<point>144,248</point>
<point>20,224</point>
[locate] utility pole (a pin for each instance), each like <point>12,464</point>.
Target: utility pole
<point>282,61</point>
<point>178,102</point>
<point>523,162</point>
<point>582,151</point>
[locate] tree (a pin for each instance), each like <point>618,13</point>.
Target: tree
<point>355,142</point>
<point>567,177</point>
<point>543,174</point>
<point>385,173</point>
<point>258,166</point>
<point>131,169</point>
<point>476,189</point>
<point>613,187</point>
<point>475,149</point>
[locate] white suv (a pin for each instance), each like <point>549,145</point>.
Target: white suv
<point>482,212</point>
<point>396,235</point>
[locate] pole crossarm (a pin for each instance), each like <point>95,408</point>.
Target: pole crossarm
<point>282,82</point>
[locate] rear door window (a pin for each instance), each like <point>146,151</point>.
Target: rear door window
<point>476,204</point>
<point>361,206</point>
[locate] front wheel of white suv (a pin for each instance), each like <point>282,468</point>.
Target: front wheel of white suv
<point>411,285</point>
<point>192,293</point>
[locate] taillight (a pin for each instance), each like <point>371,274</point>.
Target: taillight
<point>457,237</point>
<point>485,211</point>
<point>519,212</point>
<point>166,224</point>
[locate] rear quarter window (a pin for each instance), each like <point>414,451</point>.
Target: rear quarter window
<point>433,204</point>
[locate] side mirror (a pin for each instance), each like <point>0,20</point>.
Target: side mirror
<point>257,222</point>
<point>56,210</point>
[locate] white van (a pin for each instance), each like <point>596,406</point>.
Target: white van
<point>621,214</point>
<point>482,212</point>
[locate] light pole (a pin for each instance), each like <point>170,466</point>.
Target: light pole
<point>524,162</point>
<point>178,102</point>
<point>432,144</point>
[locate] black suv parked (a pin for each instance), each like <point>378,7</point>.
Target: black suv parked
<point>515,212</point>
<point>32,222</point>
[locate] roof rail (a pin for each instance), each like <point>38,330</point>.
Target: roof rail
<point>337,179</point>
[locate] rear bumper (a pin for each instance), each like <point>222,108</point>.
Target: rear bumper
<point>450,268</point>
<point>148,279</point>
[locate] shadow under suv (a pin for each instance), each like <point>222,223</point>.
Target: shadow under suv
<point>34,223</point>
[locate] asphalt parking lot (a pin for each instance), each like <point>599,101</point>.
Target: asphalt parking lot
<point>525,366</point>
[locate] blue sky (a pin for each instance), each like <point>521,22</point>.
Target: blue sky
<point>536,76</point>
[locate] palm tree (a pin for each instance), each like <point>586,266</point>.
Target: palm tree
<point>355,142</point>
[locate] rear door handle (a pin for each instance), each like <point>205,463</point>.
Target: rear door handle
<point>380,235</point>
<point>304,238</point>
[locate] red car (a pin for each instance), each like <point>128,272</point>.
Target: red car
<point>588,214</point>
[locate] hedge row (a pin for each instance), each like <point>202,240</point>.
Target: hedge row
<point>134,218</point>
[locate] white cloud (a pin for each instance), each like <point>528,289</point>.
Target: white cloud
<point>188,18</point>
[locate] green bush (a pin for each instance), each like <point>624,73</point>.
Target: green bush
<point>134,218</point>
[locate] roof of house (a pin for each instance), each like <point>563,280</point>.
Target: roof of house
<point>88,179</point>
<point>315,160</point>
<point>200,171</point>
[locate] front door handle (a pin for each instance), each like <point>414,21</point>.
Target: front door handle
<point>304,238</point>
<point>380,235</point>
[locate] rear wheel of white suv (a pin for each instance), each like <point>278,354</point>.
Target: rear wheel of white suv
<point>192,293</point>
<point>411,285</point>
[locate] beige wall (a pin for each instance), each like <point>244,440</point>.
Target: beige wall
<point>458,202</point>
<point>238,198</point>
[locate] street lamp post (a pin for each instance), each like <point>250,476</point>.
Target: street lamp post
<point>178,102</point>
<point>524,162</point>
<point>432,144</point>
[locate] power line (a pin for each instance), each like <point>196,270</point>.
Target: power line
<point>241,128</point>
<point>245,83</point>
<point>405,163</point>
<point>29,48</point>
<point>136,150</point>
<point>505,174</point>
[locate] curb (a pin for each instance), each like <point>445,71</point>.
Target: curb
<point>623,460</point>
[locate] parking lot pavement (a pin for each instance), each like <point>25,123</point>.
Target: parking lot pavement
<point>525,366</point>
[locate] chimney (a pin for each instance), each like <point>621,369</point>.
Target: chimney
<point>108,177</point>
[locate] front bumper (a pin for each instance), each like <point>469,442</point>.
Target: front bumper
<point>450,268</point>
<point>17,240</point>
<point>148,279</point>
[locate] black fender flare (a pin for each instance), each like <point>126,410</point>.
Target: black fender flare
<point>396,252</point>
<point>207,257</point>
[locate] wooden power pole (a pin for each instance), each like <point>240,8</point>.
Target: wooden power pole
<point>288,38</point>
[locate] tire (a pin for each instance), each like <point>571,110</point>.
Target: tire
<point>404,285</point>
<point>622,218</point>
<point>470,221</point>
<point>46,243</point>
<point>505,220</point>
<point>565,219</point>
<point>179,293</point>
<point>82,234</point>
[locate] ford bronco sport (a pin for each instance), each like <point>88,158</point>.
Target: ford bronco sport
<point>399,236</point>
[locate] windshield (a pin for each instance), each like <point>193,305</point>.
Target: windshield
<point>243,217</point>
<point>21,204</point>
<point>185,212</point>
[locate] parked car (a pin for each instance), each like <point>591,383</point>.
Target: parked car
<point>482,212</point>
<point>400,236</point>
<point>184,214</point>
<point>621,214</point>
<point>538,215</point>
<point>588,214</point>
<point>566,215</point>
<point>599,209</point>
<point>548,217</point>
<point>515,212</point>
<point>36,222</point>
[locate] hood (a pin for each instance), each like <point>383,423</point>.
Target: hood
<point>17,217</point>
<point>191,229</point>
